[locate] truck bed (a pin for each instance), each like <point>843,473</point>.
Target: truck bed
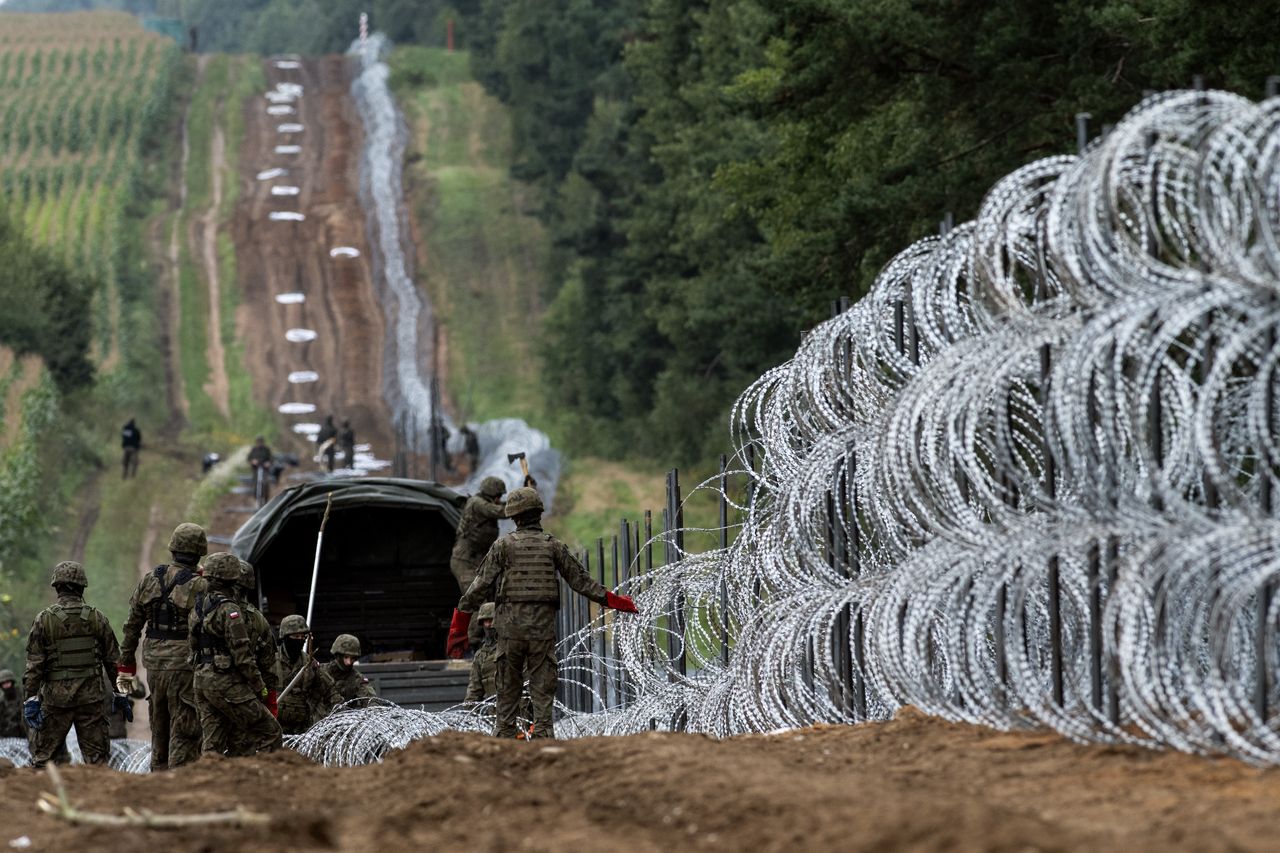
<point>424,685</point>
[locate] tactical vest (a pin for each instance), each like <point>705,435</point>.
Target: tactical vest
<point>74,633</point>
<point>531,570</point>
<point>208,647</point>
<point>166,621</point>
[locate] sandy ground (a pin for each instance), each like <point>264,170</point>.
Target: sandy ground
<point>910,784</point>
<point>275,257</point>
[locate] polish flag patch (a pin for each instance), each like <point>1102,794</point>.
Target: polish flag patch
<point>235,614</point>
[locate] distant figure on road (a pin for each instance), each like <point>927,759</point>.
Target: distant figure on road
<point>131,443</point>
<point>471,442</point>
<point>525,568</point>
<point>347,438</point>
<point>260,462</point>
<point>327,438</point>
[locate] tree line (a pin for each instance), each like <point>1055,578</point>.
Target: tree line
<point>44,307</point>
<point>715,172</point>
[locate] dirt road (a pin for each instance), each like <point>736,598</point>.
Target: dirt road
<point>276,257</point>
<point>913,783</point>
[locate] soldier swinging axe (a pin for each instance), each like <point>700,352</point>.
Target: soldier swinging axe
<point>524,466</point>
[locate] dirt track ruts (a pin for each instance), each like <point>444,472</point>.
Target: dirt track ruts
<point>275,257</point>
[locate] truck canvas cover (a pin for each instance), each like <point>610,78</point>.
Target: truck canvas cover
<point>384,569</point>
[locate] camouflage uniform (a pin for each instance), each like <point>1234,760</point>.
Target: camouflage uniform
<point>263,645</point>
<point>162,602</point>
<point>484,670</point>
<point>477,531</point>
<point>347,679</point>
<point>10,707</point>
<point>70,646</point>
<point>230,692</point>
<point>314,695</point>
<point>525,565</point>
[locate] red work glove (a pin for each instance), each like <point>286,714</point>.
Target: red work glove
<point>273,703</point>
<point>458,645</point>
<point>620,602</point>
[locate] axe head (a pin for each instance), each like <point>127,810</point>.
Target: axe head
<point>512,457</point>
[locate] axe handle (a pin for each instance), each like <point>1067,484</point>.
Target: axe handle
<point>524,466</point>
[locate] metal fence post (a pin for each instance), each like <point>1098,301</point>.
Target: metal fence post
<point>724,548</point>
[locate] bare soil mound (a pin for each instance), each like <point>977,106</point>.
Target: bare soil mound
<point>912,783</point>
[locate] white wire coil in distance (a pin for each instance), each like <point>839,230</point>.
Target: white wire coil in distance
<point>1142,280</point>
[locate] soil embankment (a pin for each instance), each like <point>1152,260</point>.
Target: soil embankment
<point>914,783</point>
<point>289,256</point>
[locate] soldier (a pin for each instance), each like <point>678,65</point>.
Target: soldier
<point>471,443</point>
<point>484,669</point>
<point>260,463</point>
<point>326,441</point>
<point>234,702</point>
<point>314,694</point>
<point>10,706</point>
<point>130,444</point>
<point>70,646</point>
<point>347,440</point>
<point>261,641</point>
<point>162,602</point>
<point>524,565</point>
<point>342,669</point>
<point>477,531</point>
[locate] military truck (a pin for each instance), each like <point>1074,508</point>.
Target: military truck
<point>384,577</point>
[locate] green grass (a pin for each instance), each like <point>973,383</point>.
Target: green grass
<point>483,266</point>
<point>127,508</point>
<point>217,102</point>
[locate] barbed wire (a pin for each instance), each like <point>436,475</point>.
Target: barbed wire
<point>1025,481</point>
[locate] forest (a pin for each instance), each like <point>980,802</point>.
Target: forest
<point>713,173</point>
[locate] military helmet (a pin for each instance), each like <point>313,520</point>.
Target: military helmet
<point>346,644</point>
<point>189,538</point>
<point>7,675</point>
<point>222,566</point>
<point>248,577</point>
<point>293,624</point>
<point>491,487</point>
<point>487,610</point>
<point>523,499</point>
<point>69,571</point>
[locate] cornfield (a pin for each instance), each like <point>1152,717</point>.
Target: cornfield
<point>79,94</point>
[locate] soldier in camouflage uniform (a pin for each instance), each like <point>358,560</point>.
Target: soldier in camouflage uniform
<point>162,602</point>
<point>525,565</point>
<point>230,692</point>
<point>484,669</point>
<point>477,531</point>
<point>70,646</point>
<point>314,695</point>
<point>263,644</point>
<point>10,706</point>
<point>342,669</point>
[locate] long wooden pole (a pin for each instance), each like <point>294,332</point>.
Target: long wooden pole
<point>311,596</point>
